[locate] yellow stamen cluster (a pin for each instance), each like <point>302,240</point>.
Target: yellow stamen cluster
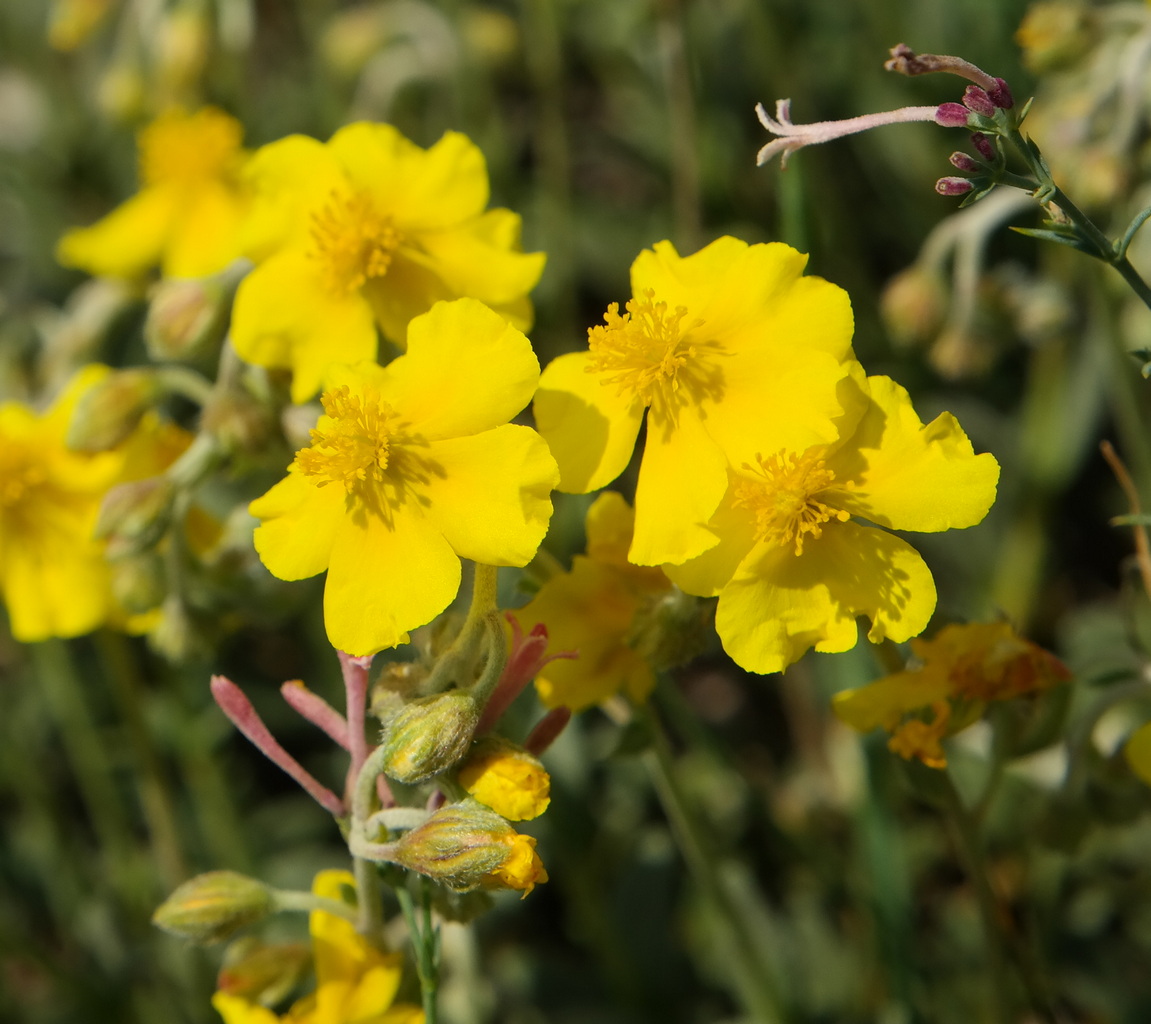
<point>916,739</point>
<point>352,242</point>
<point>353,447</point>
<point>643,350</point>
<point>781,492</point>
<point>179,147</point>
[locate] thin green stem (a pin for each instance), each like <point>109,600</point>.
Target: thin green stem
<point>750,968</point>
<point>295,900</point>
<point>425,945</point>
<point>462,654</point>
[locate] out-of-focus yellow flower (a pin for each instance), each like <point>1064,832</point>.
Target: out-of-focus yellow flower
<point>72,22</point>
<point>355,982</point>
<point>794,571</point>
<point>960,671</point>
<point>54,578</point>
<point>186,217</point>
<point>594,610</point>
<point>507,779</point>
<point>365,230</point>
<point>728,342</point>
<point>412,467</point>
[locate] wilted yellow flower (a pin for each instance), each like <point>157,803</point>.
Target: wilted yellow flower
<point>507,779</point>
<point>355,982</point>
<point>522,870</point>
<point>412,467</point>
<point>365,230</point>
<point>793,570</point>
<point>728,342</point>
<point>54,578</point>
<point>186,216</point>
<point>593,610</point>
<point>960,670</point>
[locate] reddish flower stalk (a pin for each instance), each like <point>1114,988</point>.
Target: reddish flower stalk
<point>244,717</point>
<point>316,710</point>
<point>547,730</point>
<point>527,656</point>
<point>355,671</point>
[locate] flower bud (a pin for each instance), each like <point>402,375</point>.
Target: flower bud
<point>506,778</point>
<point>1001,95</point>
<point>186,319</point>
<point>135,516</point>
<point>952,115</point>
<point>670,629</point>
<point>464,846</point>
<point>262,972</point>
<point>213,906</point>
<point>976,99</point>
<point>963,162</point>
<point>108,412</point>
<point>139,582</point>
<point>983,146</point>
<point>238,422</point>
<point>429,735</point>
<point>953,186</point>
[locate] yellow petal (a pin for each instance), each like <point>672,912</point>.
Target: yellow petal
<point>682,479</point>
<point>236,1010</point>
<point>424,190</point>
<point>492,501</point>
<point>909,476</point>
<point>1137,750</point>
<point>127,242</point>
<point>590,428</point>
<point>779,605</point>
<point>886,700</point>
<point>300,523</point>
<point>469,264</point>
<point>54,585</point>
<point>385,580</point>
<point>609,524</point>
<point>466,370</point>
<point>285,317</point>
<point>708,573</point>
<point>206,236</point>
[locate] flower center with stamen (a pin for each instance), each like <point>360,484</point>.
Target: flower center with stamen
<point>351,241</point>
<point>643,350</point>
<point>354,446</point>
<point>782,494</point>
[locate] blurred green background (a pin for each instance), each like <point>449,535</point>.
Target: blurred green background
<point>609,125</point>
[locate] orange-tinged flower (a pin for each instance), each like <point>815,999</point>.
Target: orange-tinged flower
<point>369,230</point>
<point>960,670</point>
<point>715,346</point>
<point>594,610</point>
<point>794,569</point>
<point>355,982</point>
<point>186,217</point>
<point>54,578</point>
<point>506,778</point>
<point>412,467</point>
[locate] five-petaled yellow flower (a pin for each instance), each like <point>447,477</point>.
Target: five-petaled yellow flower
<point>355,982</point>
<point>412,467</point>
<point>728,342</point>
<point>187,215</point>
<point>369,229</point>
<point>54,579</point>
<point>794,566</point>
<point>594,610</point>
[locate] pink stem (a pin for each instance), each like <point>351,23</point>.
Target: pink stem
<point>244,717</point>
<point>547,730</point>
<point>355,671</point>
<point>316,710</point>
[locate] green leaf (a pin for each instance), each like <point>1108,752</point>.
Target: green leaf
<point>1063,237</point>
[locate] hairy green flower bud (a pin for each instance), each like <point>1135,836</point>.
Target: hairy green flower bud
<point>186,318</point>
<point>429,735</point>
<point>213,906</point>
<point>135,516</point>
<point>108,412</point>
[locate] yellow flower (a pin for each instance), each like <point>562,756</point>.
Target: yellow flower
<point>960,670</point>
<point>54,579</point>
<point>507,779</point>
<point>369,229</point>
<point>412,467</point>
<point>355,982</point>
<point>593,610</point>
<point>794,571</point>
<point>715,346</point>
<point>522,870</point>
<point>186,217</point>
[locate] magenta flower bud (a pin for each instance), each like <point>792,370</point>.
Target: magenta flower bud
<point>1001,95</point>
<point>983,145</point>
<point>963,162</point>
<point>977,100</point>
<point>953,186</point>
<point>952,115</point>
